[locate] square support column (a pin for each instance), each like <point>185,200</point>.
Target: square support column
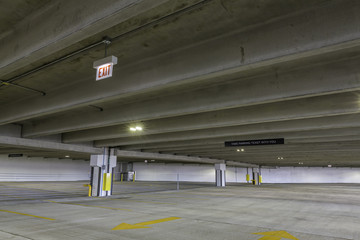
<point>220,174</point>
<point>101,174</point>
<point>256,176</point>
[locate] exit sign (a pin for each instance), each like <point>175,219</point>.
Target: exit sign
<point>104,67</point>
<point>104,71</point>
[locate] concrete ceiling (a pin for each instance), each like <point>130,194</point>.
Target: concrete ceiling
<point>192,73</point>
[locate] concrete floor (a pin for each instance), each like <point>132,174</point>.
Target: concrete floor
<point>59,210</point>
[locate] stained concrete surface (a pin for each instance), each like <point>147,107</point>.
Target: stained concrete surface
<point>306,211</point>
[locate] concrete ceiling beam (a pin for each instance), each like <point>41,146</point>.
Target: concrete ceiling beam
<point>293,85</point>
<point>298,157</point>
<point>15,142</point>
<point>219,143</point>
<point>327,139</point>
<point>269,44</point>
<point>240,164</point>
<point>287,110</point>
<point>74,23</point>
<point>214,127</point>
<point>171,157</point>
<point>264,152</point>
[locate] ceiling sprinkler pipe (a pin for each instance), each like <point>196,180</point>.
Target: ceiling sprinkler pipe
<point>106,41</point>
<point>22,87</point>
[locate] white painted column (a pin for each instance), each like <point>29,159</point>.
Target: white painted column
<point>102,174</point>
<point>220,174</point>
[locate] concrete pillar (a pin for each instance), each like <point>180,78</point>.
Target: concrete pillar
<point>117,172</point>
<point>256,176</point>
<point>102,170</point>
<point>220,174</point>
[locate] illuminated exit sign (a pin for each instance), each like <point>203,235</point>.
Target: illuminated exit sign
<point>104,67</point>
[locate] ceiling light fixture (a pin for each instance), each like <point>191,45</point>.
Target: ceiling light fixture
<point>136,129</point>
<point>67,156</point>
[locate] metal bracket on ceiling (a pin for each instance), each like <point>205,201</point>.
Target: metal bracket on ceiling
<point>6,83</point>
<point>106,41</point>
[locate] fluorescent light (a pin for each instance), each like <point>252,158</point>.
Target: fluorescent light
<point>238,150</point>
<point>242,150</point>
<point>67,156</point>
<point>136,128</point>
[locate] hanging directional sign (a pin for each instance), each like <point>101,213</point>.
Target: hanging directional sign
<point>104,67</point>
<point>254,142</point>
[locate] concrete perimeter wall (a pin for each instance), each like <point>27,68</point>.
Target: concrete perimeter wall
<point>42,169</point>
<point>52,169</point>
<point>311,175</point>
<point>206,173</point>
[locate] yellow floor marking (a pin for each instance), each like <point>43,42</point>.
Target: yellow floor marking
<point>206,194</point>
<point>84,205</point>
<point>275,235</point>
<point>157,196</point>
<point>1,210</point>
<point>139,201</point>
<point>124,226</point>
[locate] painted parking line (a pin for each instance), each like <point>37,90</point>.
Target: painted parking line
<point>121,199</point>
<point>85,205</point>
<point>157,196</point>
<point>140,201</point>
<point>126,226</point>
<point>276,235</point>
<point>205,194</point>
<point>25,214</point>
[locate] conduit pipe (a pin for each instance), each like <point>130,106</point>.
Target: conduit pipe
<point>105,41</point>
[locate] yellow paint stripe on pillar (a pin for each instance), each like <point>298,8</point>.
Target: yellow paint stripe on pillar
<point>29,215</point>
